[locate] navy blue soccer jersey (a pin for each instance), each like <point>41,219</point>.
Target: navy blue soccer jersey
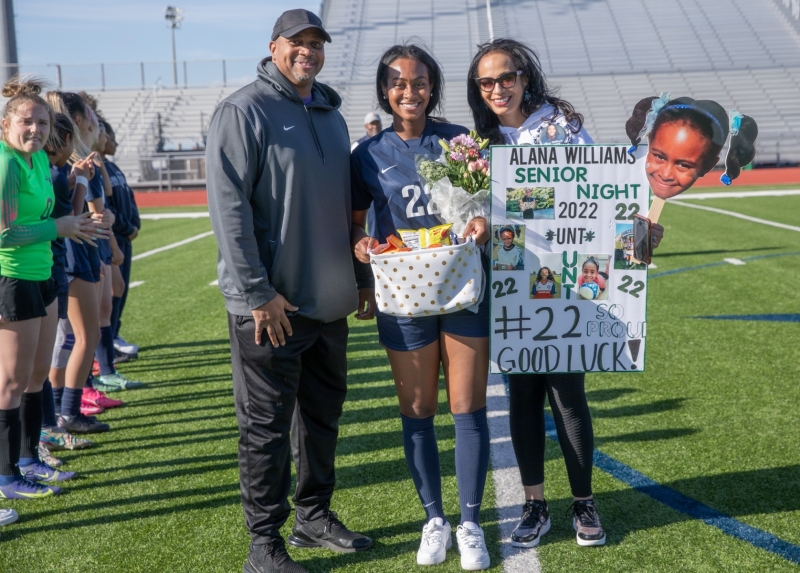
<point>62,205</point>
<point>96,188</point>
<point>383,173</point>
<point>121,202</point>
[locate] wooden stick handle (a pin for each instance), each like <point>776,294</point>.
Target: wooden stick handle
<point>655,209</point>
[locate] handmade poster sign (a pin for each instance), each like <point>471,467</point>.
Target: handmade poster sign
<point>566,294</point>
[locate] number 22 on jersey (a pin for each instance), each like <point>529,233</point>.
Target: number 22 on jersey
<point>412,208</point>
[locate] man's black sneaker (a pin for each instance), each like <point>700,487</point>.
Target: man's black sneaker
<point>271,558</point>
<point>586,523</point>
<point>81,424</point>
<point>535,522</point>
<point>328,532</point>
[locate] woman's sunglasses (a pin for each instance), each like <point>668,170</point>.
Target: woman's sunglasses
<point>507,80</point>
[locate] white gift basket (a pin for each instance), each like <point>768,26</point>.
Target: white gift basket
<point>428,282</point>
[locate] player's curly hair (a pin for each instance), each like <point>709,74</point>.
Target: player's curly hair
<point>21,90</point>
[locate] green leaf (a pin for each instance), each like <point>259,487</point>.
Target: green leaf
<point>444,145</point>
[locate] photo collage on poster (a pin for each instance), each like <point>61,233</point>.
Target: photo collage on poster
<point>567,292</point>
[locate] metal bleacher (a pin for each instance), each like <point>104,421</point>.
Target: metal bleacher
<point>604,54</point>
<point>151,124</point>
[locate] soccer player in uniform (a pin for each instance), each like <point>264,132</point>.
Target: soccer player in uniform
<point>544,286</point>
<point>100,191</point>
<point>28,292</point>
<point>75,353</point>
<point>126,229</point>
<point>383,173</point>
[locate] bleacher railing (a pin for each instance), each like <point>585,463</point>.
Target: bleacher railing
<point>172,170</point>
<point>138,75</point>
<point>132,133</point>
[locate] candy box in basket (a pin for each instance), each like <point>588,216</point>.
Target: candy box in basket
<point>427,282</point>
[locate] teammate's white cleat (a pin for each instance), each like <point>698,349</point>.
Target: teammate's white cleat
<point>125,347</point>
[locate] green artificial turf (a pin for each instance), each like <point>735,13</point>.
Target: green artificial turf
<point>714,417</point>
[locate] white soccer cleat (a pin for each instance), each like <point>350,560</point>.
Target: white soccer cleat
<point>125,347</point>
<point>9,516</point>
<point>472,547</point>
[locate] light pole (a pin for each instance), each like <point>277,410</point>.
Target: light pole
<point>8,41</point>
<point>174,16</point>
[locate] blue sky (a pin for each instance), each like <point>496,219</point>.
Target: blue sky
<point>79,31</point>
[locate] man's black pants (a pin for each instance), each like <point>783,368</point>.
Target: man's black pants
<point>300,386</point>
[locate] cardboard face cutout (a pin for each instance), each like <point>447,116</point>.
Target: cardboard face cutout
<point>685,140</point>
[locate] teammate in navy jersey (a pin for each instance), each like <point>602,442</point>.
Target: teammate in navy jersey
<point>409,86</point>
<point>83,272</point>
<point>126,229</point>
<point>109,379</point>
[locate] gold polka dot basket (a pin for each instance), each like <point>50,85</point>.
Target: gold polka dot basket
<point>428,282</point>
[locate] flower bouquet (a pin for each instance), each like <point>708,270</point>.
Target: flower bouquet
<point>459,180</point>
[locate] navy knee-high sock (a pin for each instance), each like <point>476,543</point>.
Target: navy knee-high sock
<point>71,402</point>
<point>422,457</point>
<point>116,306</point>
<point>472,461</point>
<point>105,351</point>
<point>48,406</point>
<point>9,445</point>
<point>30,417</point>
<point>58,394</point>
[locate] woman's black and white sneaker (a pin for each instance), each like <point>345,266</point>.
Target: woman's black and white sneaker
<point>436,540</point>
<point>472,547</point>
<point>534,523</point>
<point>586,523</point>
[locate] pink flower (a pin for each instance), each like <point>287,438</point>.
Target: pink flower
<point>481,165</point>
<point>457,156</point>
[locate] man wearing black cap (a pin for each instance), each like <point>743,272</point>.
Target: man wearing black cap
<point>278,176</point>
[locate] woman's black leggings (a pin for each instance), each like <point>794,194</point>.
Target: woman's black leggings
<point>573,423</point>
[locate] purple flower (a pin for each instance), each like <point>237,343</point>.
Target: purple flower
<point>457,156</point>
<point>464,140</point>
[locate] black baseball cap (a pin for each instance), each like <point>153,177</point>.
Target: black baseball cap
<point>293,22</point>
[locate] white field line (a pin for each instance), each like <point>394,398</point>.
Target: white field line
<point>188,215</point>
<point>737,262</point>
<point>215,282</point>
<point>134,284</point>
<point>507,482</point>
<point>742,194</point>
<point>173,245</point>
<point>738,216</point>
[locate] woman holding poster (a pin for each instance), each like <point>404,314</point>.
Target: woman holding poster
<point>512,104</point>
